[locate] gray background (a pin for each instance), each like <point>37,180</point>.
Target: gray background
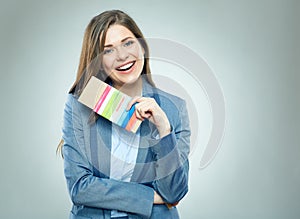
<point>253,48</point>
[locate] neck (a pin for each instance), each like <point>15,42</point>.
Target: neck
<point>132,89</point>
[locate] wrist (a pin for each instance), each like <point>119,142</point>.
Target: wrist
<point>157,198</point>
<point>164,131</point>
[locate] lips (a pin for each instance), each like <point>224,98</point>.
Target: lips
<point>125,67</point>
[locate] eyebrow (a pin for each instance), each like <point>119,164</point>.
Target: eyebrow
<point>126,38</point>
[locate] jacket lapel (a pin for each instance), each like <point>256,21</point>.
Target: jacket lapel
<point>104,146</point>
<point>144,171</point>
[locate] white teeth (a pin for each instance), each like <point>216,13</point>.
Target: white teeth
<point>126,66</point>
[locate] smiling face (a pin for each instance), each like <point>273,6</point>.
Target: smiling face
<point>123,56</point>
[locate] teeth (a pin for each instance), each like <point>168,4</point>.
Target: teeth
<point>126,66</point>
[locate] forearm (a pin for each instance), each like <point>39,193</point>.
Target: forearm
<point>171,169</point>
<point>114,195</point>
<point>89,190</point>
<point>173,187</point>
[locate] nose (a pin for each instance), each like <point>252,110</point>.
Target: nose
<point>122,53</point>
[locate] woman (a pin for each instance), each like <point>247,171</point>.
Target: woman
<point>110,172</point>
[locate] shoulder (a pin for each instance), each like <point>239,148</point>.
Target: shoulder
<point>163,97</point>
<point>166,97</point>
<point>71,102</point>
<point>73,106</point>
<point>172,105</point>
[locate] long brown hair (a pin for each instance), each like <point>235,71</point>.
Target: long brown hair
<point>93,46</point>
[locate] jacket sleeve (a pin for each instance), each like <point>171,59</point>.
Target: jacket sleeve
<point>85,189</point>
<point>172,165</point>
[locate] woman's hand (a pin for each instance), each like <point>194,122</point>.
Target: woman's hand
<point>157,199</point>
<point>147,108</point>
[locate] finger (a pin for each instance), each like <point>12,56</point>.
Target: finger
<point>132,101</point>
<point>141,113</point>
<point>138,115</point>
<point>145,105</point>
<point>144,108</point>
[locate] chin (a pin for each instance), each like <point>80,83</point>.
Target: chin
<point>130,80</point>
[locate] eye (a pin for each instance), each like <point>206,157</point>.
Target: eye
<point>128,43</point>
<point>108,51</point>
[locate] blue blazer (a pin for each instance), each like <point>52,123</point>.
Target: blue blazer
<point>162,164</point>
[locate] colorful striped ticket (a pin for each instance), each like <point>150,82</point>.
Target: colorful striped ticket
<point>110,103</point>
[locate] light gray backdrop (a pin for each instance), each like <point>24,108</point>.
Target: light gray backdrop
<point>253,48</point>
